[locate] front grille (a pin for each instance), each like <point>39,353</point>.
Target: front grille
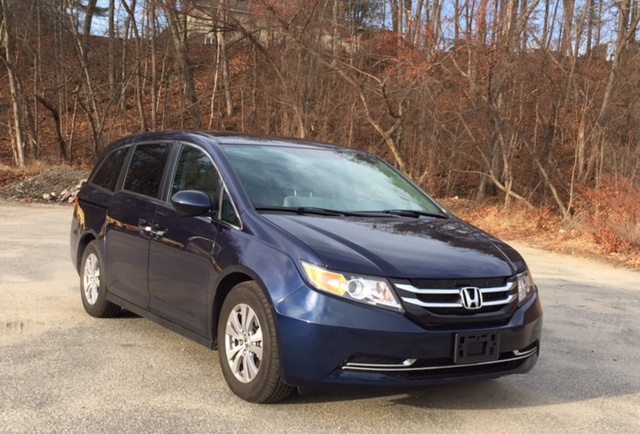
<point>457,283</point>
<point>440,301</point>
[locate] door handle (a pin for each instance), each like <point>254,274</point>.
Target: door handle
<point>144,226</point>
<point>153,229</point>
<point>158,230</point>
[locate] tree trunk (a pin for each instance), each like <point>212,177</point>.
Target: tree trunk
<point>177,24</point>
<point>56,119</point>
<point>567,25</point>
<point>137,71</point>
<point>150,6</point>
<point>112,43</point>
<point>222,45</point>
<point>21,152</point>
<point>88,20</point>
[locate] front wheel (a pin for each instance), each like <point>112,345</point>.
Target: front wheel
<point>248,347</point>
<point>92,284</point>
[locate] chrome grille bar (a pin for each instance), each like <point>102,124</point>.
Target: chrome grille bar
<point>419,291</point>
<point>517,355</point>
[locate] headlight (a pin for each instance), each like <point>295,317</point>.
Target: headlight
<point>365,289</point>
<point>526,287</point>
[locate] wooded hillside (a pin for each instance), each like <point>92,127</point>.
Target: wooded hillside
<point>533,102</point>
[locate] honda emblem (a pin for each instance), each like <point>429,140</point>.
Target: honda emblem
<point>471,297</point>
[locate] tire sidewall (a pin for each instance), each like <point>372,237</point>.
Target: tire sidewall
<point>261,387</point>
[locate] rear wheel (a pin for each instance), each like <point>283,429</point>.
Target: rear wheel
<point>248,347</point>
<point>92,284</point>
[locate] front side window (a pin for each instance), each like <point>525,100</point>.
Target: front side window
<point>195,171</point>
<point>146,168</point>
<point>109,171</point>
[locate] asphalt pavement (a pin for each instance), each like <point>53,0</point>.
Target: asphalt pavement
<point>64,371</point>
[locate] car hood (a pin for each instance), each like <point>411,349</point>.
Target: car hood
<point>403,247</point>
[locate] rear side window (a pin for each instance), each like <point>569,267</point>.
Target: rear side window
<point>145,171</point>
<point>109,171</point>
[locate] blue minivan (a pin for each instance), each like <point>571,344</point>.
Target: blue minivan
<point>306,265</point>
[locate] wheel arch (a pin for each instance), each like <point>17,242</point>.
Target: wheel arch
<point>279,279</point>
<point>82,245</point>
<point>223,288</point>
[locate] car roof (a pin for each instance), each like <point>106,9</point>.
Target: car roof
<point>220,138</point>
<point>251,139</point>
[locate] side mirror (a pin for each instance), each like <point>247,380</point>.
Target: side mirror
<point>191,203</point>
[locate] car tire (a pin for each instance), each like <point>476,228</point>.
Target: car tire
<point>93,288</point>
<point>248,346</point>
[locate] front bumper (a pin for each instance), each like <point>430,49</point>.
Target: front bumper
<point>325,341</point>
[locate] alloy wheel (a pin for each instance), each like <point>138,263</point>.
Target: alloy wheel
<point>243,343</point>
<point>91,279</point>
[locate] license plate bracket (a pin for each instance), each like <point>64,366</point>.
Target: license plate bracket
<point>476,347</point>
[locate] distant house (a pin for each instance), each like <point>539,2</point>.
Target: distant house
<point>602,51</point>
<point>205,16</point>
<point>208,19</point>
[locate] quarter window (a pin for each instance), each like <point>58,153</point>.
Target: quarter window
<point>228,212</point>
<point>145,171</point>
<point>109,172</point>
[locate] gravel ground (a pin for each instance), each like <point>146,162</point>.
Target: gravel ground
<point>60,184</point>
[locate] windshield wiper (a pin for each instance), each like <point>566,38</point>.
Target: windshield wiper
<point>302,210</point>
<point>414,213</point>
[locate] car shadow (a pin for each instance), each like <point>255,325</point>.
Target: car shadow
<point>126,314</point>
<point>521,391</point>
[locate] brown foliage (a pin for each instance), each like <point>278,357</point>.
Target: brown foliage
<point>612,212</point>
<point>485,117</point>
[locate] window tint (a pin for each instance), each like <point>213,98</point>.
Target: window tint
<point>145,171</point>
<point>195,171</point>
<point>109,172</point>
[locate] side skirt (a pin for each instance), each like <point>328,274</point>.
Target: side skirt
<point>159,320</point>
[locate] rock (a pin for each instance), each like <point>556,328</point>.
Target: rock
<point>64,195</point>
<point>57,183</point>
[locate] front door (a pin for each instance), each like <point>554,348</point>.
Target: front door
<point>181,269</point>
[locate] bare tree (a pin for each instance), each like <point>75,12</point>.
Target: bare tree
<point>20,151</point>
<point>176,13</point>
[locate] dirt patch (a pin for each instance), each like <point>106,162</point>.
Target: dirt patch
<point>59,184</point>
<point>541,228</point>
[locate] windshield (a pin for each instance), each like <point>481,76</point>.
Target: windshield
<point>330,179</point>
